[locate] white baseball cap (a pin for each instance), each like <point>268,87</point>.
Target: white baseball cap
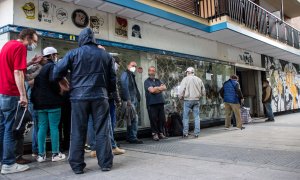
<point>49,50</point>
<point>190,69</point>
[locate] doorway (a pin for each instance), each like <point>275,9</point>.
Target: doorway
<point>251,85</point>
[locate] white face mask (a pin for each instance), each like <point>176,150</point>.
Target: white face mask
<point>31,47</point>
<point>132,69</point>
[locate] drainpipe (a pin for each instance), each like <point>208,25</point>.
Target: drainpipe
<point>281,11</point>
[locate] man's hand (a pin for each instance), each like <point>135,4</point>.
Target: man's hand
<point>35,60</point>
<point>242,101</point>
<point>101,47</point>
<point>128,103</point>
<point>23,101</point>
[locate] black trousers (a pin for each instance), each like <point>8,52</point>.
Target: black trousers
<point>80,114</point>
<point>157,117</point>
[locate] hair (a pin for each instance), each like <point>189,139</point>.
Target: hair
<point>234,77</point>
<point>27,33</point>
<point>266,81</point>
<point>151,67</point>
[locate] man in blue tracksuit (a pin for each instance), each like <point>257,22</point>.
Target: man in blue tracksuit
<point>233,97</point>
<point>93,77</point>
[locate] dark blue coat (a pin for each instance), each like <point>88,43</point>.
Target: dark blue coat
<point>129,90</point>
<point>92,70</point>
<point>232,92</point>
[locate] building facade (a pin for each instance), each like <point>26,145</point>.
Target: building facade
<point>155,33</point>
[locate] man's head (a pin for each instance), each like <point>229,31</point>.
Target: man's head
<point>234,77</point>
<point>151,72</point>
<point>50,53</point>
<point>132,66</point>
<point>265,83</point>
<point>29,38</point>
<point>190,71</point>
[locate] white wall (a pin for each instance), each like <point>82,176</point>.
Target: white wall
<point>3,39</point>
<point>152,36</point>
<point>6,12</point>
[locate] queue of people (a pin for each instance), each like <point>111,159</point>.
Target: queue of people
<point>94,95</point>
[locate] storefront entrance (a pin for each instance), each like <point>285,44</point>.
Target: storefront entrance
<point>251,85</point>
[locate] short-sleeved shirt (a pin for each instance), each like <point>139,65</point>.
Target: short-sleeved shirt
<point>152,99</point>
<point>12,57</point>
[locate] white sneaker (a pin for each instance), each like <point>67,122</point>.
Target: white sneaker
<point>58,157</point>
<point>14,168</point>
<point>41,159</point>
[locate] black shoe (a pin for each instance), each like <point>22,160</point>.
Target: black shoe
<point>21,160</point>
<point>105,169</point>
<point>78,172</point>
<point>242,127</point>
<point>270,120</point>
<point>136,141</point>
<point>185,136</point>
<point>196,136</point>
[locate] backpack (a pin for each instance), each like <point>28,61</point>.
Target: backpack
<point>174,125</point>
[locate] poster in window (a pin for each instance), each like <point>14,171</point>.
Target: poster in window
<point>96,23</point>
<point>121,27</point>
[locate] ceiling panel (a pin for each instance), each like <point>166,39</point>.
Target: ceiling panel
<point>129,13</point>
<point>111,8</point>
<point>175,26</point>
<point>249,44</point>
<point>187,29</point>
<point>89,3</point>
<point>146,18</point>
<point>161,22</point>
<point>218,35</point>
<point>197,33</point>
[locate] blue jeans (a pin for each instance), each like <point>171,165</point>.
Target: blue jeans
<point>133,128</point>
<point>91,141</point>
<point>99,109</point>
<point>8,107</point>
<point>34,118</point>
<point>112,111</point>
<point>187,106</point>
<point>269,110</point>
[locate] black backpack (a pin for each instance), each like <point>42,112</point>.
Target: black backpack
<point>174,125</point>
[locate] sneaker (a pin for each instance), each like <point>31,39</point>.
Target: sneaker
<point>185,136</point>
<point>21,160</point>
<point>269,120</point>
<point>14,168</point>
<point>93,154</point>
<point>41,159</point>
<point>136,141</point>
<point>196,135</point>
<point>162,136</point>
<point>87,148</point>
<point>58,157</point>
<point>227,128</point>
<point>155,137</point>
<point>35,155</point>
<point>118,151</point>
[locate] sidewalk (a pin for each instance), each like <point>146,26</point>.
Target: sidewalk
<point>263,151</point>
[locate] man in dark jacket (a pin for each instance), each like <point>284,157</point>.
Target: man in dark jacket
<point>131,96</point>
<point>266,100</point>
<point>93,77</point>
<point>232,97</point>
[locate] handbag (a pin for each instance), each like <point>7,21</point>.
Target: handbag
<point>23,122</point>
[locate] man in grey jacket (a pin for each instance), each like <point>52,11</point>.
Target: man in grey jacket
<point>191,89</point>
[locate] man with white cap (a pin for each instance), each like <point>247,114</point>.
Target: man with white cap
<point>50,53</point>
<point>191,89</point>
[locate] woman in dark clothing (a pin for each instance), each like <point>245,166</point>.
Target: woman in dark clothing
<point>47,102</point>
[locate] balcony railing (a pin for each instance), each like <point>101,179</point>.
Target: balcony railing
<point>243,12</point>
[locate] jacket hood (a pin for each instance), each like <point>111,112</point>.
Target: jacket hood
<point>86,36</point>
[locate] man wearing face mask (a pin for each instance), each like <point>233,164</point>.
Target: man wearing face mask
<point>155,104</point>
<point>131,96</point>
<point>12,90</point>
